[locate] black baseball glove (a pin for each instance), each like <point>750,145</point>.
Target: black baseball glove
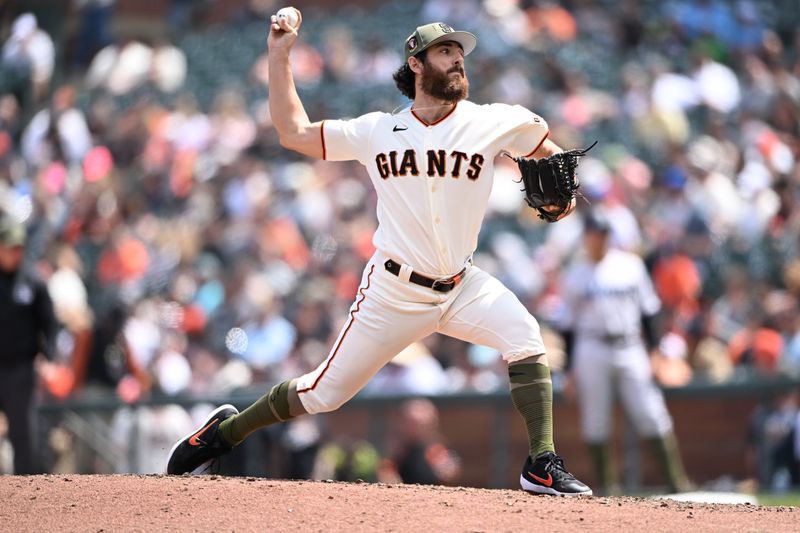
<point>551,182</point>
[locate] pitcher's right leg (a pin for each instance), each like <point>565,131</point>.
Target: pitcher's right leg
<point>485,312</point>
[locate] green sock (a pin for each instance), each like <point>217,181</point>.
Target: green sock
<point>600,454</point>
<point>532,394</point>
<point>669,459</point>
<point>271,408</point>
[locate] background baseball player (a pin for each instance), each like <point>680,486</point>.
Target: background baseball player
<point>609,329</point>
<point>27,328</point>
<point>432,167</point>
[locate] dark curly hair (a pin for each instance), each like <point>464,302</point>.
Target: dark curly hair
<point>404,77</point>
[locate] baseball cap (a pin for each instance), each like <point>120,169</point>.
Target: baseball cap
<point>12,233</point>
<point>436,32</point>
<point>596,221</point>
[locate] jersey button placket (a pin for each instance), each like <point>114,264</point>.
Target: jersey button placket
<point>433,199</point>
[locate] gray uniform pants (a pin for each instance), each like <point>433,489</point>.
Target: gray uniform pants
<point>602,368</point>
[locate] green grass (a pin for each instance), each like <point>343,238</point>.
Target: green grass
<point>788,498</point>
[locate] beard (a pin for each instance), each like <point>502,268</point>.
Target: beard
<point>443,86</point>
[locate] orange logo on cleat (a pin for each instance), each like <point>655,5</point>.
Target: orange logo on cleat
<point>546,482</point>
<point>194,440</point>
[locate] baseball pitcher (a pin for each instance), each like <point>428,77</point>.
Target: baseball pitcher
<point>432,165</point>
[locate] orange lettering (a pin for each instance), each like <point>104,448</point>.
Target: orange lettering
<point>459,157</point>
<point>475,165</point>
<point>409,163</point>
<point>436,159</point>
<point>383,166</point>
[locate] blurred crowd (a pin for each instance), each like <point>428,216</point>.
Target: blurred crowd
<point>186,252</point>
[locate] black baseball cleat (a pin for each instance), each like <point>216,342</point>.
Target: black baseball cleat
<point>547,475</point>
<point>197,452</point>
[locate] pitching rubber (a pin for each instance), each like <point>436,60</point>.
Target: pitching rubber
<point>538,489</point>
<point>203,467</point>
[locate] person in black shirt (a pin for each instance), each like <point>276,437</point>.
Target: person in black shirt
<point>27,328</point>
<point>422,457</point>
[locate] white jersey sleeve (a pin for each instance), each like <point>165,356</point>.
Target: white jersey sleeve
<point>570,280</point>
<point>521,132</point>
<point>345,140</point>
<point>573,283</point>
<point>648,299</point>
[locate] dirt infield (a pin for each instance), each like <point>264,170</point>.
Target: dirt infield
<point>211,503</point>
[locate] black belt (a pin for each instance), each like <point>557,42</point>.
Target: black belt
<point>439,285</point>
<point>618,341</point>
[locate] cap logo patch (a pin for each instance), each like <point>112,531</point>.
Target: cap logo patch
<point>412,43</point>
<point>445,28</point>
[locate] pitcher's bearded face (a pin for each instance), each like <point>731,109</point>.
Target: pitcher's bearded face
<point>448,83</point>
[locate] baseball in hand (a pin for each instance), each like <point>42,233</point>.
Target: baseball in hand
<point>289,14</point>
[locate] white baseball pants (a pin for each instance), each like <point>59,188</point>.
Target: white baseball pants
<point>599,369</point>
<point>389,314</point>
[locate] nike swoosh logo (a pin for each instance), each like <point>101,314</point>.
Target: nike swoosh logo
<point>399,129</point>
<point>546,482</point>
<point>194,440</point>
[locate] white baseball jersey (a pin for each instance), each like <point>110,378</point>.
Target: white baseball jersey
<point>606,301</point>
<point>433,180</point>
<point>609,297</point>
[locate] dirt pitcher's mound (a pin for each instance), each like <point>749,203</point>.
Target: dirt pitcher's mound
<point>211,503</point>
